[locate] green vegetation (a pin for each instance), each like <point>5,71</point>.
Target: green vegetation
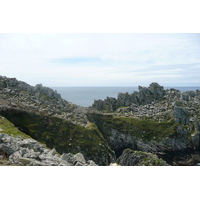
<point>142,129</point>
<point>63,135</point>
<point>8,128</point>
<point>146,159</point>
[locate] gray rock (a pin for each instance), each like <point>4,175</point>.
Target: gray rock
<point>69,157</point>
<point>143,97</point>
<point>14,158</point>
<point>31,162</point>
<point>91,163</point>
<point>7,139</point>
<point>1,136</point>
<point>118,140</point>
<point>23,151</point>
<point>79,164</point>
<point>28,143</point>
<point>181,115</point>
<point>6,148</point>
<point>64,163</point>
<point>31,154</point>
<point>139,158</point>
<point>79,158</point>
<point>52,152</point>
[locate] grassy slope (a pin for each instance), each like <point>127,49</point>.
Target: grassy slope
<point>142,129</point>
<point>63,135</point>
<point>8,128</point>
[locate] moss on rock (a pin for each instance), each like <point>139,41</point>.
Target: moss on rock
<point>63,135</point>
<point>145,129</point>
<point>139,158</point>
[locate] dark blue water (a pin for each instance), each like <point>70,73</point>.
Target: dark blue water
<point>85,96</point>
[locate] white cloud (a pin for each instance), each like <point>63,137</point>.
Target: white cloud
<point>100,59</point>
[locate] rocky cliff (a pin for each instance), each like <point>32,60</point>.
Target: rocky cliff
<point>153,121</point>
<point>145,96</point>
<point>42,114</point>
<point>163,122</point>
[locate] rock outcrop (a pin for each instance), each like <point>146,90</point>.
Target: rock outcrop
<point>28,152</point>
<point>143,97</point>
<point>153,122</point>
<point>163,122</point>
<point>42,114</point>
<point>39,100</point>
<point>138,158</point>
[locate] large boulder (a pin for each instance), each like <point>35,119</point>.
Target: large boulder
<point>139,158</point>
<point>181,115</point>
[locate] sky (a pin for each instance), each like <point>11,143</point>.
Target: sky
<point>104,59</point>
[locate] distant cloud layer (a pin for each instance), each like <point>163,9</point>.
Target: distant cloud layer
<point>101,59</point>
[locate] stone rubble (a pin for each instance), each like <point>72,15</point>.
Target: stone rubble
<point>154,103</point>
<point>28,152</point>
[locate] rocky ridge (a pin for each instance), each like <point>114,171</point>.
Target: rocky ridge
<point>163,122</point>
<point>42,114</point>
<point>152,121</point>
<point>39,100</point>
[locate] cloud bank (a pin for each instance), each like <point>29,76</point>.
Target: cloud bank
<point>101,59</point>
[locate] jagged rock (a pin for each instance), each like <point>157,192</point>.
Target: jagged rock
<point>6,149</point>
<point>31,162</point>
<point>119,141</point>
<point>52,152</point>
<point>157,90</point>
<point>31,154</point>
<point>79,158</point>
<point>27,154</point>
<point>28,143</point>
<point>146,147</point>
<point>138,158</point>
<point>181,115</point>
<point>69,157</point>
<point>42,104</point>
<point>14,158</point>
<point>38,99</point>
<point>143,97</point>
<point>79,164</point>
<point>91,163</point>
<point>64,163</point>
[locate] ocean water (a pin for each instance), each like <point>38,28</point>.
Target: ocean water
<point>85,96</point>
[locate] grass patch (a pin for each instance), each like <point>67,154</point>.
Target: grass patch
<point>145,129</point>
<point>63,135</point>
<point>8,128</point>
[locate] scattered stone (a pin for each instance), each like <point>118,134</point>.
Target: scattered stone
<point>29,152</point>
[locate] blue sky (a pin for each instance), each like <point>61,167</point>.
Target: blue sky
<point>104,59</point>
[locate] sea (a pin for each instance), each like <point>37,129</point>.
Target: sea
<point>85,96</point>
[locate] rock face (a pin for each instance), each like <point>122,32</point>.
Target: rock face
<point>152,121</point>
<point>144,96</point>
<point>39,100</point>
<point>138,158</point>
<point>42,114</point>
<point>181,115</point>
<point>28,152</point>
<point>163,122</point>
